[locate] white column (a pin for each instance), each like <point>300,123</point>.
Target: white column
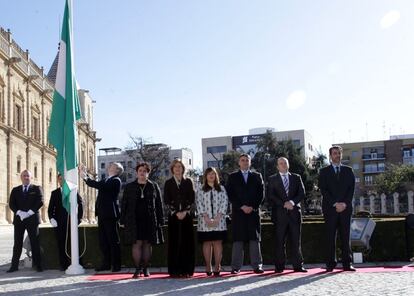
<point>372,204</point>
<point>410,195</point>
<point>361,203</point>
<point>383,203</point>
<point>396,203</point>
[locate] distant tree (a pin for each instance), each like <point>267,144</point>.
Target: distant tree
<point>269,149</point>
<point>155,154</point>
<point>230,164</point>
<point>395,178</point>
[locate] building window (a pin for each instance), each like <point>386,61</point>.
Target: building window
<point>50,175</point>
<point>357,180</point>
<point>406,153</point>
<point>296,143</point>
<point>2,111</point>
<point>18,165</point>
<point>381,167</point>
<point>129,164</point>
<point>217,149</point>
<point>102,165</point>
<point>369,180</point>
<point>90,164</point>
<point>189,161</point>
<point>18,118</point>
<point>35,171</point>
<point>36,128</point>
<point>103,176</point>
<point>355,166</point>
<point>354,154</point>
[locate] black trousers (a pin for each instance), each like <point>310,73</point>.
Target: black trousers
<point>181,248</point>
<point>61,231</point>
<point>109,242</point>
<point>32,229</point>
<point>337,222</point>
<point>288,224</point>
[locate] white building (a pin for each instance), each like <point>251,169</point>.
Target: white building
<point>214,148</point>
<point>115,154</point>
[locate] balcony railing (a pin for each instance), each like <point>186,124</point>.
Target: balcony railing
<point>379,156</point>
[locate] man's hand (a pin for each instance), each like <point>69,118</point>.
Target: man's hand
<point>53,222</point>
<point>246,209</point>
<point>23,215</point>
<point>82,171</point>
<point>288,205</point>
<point>340,207</point>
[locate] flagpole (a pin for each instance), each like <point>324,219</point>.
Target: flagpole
<point>75,268</point>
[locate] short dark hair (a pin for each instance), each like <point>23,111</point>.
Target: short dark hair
<point>144,164</point>
<point>245,155</point>
<point>335,147</point>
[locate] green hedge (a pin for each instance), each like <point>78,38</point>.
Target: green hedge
<point>388,244</point>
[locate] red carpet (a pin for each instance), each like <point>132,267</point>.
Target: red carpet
<point>202,275</point>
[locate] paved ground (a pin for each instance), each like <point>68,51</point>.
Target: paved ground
<point>51,282</point>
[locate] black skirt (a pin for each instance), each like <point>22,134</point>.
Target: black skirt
<point>205,236</point>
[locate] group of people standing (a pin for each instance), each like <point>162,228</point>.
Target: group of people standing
<point>142,216</point>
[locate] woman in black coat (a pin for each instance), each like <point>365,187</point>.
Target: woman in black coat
<point>142,217</point>
<point>179,196</point>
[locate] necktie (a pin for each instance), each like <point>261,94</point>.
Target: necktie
<point>25,189</point>
<point>245,175</point>
<point>286,183</point>
<point>337,172</point>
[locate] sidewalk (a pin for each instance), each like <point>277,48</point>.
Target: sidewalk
<point>53,282</point>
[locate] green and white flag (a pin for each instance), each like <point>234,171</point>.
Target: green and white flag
<point>65,112</point>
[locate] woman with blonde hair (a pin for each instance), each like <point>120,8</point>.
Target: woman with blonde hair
<point>212,204</point>
<point>179,197</point>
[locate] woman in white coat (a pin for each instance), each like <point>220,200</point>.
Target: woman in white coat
<point>211,202</point>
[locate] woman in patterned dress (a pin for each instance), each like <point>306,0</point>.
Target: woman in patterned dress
<point>211,202</point>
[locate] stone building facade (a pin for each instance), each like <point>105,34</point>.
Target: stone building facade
<point>26,95</point>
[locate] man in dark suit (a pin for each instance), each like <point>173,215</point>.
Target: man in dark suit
<point>25,202</point>
<point>285,192</point>
<point>337,184</point>
<point>107,211</point>
<point>245,192</point>
<point>59,218</point>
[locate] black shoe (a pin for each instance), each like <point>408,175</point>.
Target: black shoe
<point>300,269</point>
<point>146,272</point>
<point>209,273</point>
<point>258,270</point>
<point>13,269</point>
<point>277,270</point>
<point>235,271</point>
<point>103,268</point>
<point>217,273</point>
<point>349,268</point>
<point>329,269</point>
<point>116,269</point>
<point>137,273</point>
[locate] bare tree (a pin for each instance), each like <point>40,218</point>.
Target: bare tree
<point>157,155</point>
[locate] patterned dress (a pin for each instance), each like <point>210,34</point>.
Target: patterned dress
<point>211,202</point>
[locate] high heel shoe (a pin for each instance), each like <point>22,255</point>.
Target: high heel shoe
<point>146,272</point>
<point>217,272</point>
<point>209,273</point>
<point>137,273</point>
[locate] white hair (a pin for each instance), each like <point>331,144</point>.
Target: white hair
<point>119,167</point>
<point>283,158</point>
